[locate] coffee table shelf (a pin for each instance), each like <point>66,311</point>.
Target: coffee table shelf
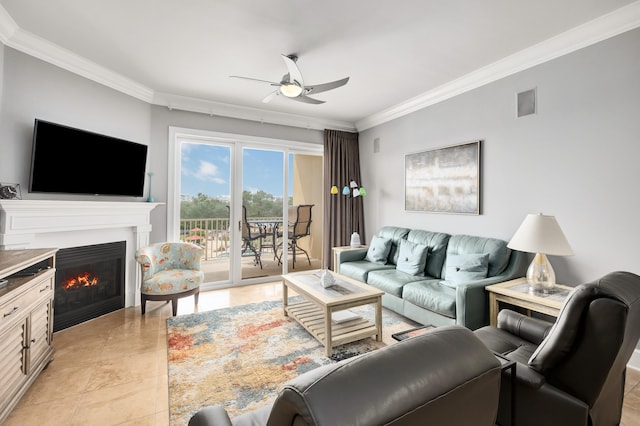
<point>312,318</point>
<point>314,312</point>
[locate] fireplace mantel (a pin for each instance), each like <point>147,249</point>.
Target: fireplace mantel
<point>60,224</point>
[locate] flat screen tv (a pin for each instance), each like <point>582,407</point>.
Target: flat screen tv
<point>73,161</point>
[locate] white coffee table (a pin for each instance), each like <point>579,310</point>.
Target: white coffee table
<point>317,305</point>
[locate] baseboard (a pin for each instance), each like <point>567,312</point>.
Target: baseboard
<point>634,361</point>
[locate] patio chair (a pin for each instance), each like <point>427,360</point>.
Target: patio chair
<point>250,234</point>
<point>299,228</point>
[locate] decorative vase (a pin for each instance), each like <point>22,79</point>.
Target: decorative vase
<point>355,240</point>
<point>150,197</point>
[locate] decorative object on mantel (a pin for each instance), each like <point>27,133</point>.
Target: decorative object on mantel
<point>541,234</point>
<point>354,190</point>
<point>150,197</point>
<point>444,180</point>
<point>10,191</point>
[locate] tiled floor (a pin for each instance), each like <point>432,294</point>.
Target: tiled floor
<point>112,370</point>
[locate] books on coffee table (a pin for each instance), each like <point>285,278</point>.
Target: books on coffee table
<point>343,316</point>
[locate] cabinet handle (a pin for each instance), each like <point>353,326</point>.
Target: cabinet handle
<point>15,308</point>
<point>45,288</point>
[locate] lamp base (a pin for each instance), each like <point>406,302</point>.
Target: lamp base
<point>540,275</point>
<point>355,240</point>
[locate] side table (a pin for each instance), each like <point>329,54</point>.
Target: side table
<point>516,293</point>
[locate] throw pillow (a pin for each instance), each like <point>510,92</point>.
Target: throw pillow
<point>412,257</point>
<point>378,251</point>
<point>466,267</point>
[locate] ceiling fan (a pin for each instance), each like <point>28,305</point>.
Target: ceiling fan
<point>292,85</point>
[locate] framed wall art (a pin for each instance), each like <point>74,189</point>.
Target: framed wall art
<point>444,180</point>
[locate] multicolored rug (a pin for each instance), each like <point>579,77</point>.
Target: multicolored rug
<point>240,356</point>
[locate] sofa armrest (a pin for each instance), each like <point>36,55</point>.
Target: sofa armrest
<point>213,415</point>
<point>533,330</point>
<point>351,255</point>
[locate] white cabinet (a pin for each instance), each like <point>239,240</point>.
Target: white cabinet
<point>26,321</point>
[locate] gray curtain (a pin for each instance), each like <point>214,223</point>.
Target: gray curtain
<point>343,213</point>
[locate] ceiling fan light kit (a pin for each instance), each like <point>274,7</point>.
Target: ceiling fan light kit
<point>291,90</point>
<point>292,85</point>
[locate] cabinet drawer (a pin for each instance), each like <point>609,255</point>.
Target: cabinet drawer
<point>40,288</point>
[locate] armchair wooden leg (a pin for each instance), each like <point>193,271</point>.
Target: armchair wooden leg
<point>174,305</point>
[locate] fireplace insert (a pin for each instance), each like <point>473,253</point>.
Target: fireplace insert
<point>89,283</point>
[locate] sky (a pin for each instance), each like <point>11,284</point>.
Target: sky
<point>206,169</point>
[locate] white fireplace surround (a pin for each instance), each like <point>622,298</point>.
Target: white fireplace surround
<point>61,224</point>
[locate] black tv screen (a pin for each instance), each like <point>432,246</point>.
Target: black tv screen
<point>74,161</point>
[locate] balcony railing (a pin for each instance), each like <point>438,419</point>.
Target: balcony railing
<point>212,234</point>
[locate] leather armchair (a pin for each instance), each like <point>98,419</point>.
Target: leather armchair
<point>571,372</point>
<point>446,376</point>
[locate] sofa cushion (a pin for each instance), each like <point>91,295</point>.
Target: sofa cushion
<point>412,258</point>
<point>359,270</point>
<point>499,253</point>
<point>396,234</point>
<point>466,267</point>
<point>437,243</point>
<point>429,294</point>
<point>378,250</point>
<point>391,280</point>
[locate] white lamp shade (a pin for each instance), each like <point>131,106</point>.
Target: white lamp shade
<point>540,234</point>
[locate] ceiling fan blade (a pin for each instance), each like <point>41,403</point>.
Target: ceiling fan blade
<point>256,79</point>
<point>294,71</point>
<point>326,86</point>
<point>270,96</point>
<point>307,100</point>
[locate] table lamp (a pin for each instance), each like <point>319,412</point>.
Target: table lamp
<point>540,234</point>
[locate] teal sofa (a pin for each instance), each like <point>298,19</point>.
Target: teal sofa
<point>448,287</point>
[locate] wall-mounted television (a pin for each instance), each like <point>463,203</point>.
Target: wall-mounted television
<point>74,161</point>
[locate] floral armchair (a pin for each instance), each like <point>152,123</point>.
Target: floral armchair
<point>170,270</point>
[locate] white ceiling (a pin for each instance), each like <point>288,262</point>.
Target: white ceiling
<point>400,55</point>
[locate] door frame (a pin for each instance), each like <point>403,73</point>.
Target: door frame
<point>237,142</point>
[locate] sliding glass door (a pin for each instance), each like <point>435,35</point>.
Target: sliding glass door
<point>232,196</point>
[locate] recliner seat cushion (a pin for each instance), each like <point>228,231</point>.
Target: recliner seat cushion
<point>360,269</point>
<point>391,280</point>
<point>429,294</point>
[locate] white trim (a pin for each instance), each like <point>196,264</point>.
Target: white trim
<point>624,19</point>
<point>52,223</point>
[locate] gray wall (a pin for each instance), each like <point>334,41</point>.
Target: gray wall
<point>34,89</point>
<point>577,158</point>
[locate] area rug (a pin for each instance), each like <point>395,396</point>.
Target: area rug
<point>240,356</point>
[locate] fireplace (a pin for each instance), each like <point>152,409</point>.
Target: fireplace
<point>89,283</point>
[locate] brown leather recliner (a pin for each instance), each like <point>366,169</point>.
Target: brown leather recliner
<point>444,377</point>
<point>571,372</point>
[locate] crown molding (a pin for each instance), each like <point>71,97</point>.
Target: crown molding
<point>606,26</point>
<point>254,114</point>
<point>13,36</point>
<point>602,28</point>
